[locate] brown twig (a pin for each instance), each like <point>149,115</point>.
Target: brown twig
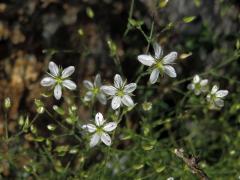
<point>192,163</point>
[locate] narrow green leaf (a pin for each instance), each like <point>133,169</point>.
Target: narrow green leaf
<point>189,19</point>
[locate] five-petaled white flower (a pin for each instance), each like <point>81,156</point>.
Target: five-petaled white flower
<point>58,79</point>
<point>215,97</point>
<point>120,92</point>
<point>94,90</point>
<point>198,85</point>
<point>158,63</point>
<point>100,130</point>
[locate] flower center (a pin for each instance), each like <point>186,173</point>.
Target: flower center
<point>99,130</point>
<point>58,80</point>
<point>159,65</point>
<point>197,86</point>
<point>120,93</point>
<point>95,90</point>
<point>212,97</point>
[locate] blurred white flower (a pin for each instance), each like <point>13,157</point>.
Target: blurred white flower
<point>147,106</point>
<point>120,92</point>
<point>158,63</point>
<point>198,85</point>
<point>58,79</point>
<point>215,97</point>
<point>170,178</point>
<point>99,130</point>
<point>94,90</point>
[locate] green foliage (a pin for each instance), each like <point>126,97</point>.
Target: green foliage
<point>189,19</point>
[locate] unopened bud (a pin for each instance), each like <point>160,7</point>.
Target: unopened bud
<point>7,103</point>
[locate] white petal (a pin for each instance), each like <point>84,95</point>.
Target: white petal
<point>98,81</point>
<point>68,71</point>
<point>116,102</point>
<point>106,139</point>
<point>88,84</point>
<point>110,126</point>
<point>88,96</point>
<point>170,71</point>
<point>204,82</point>
<point>221,93</point>
<point>154,76</point>
<point>219,102</point>
<point>58,91</point>
<point>130,88</point>
<point>53,68</point>
<point>69,84</point>
<point>157,50</point>
<point>89,127</point>
<point>47,81</point>
<point>196,79</point>
<point>208,97</point>
<point>109,90</point>
<point>147,60</point>
<point>118,82</point>
<point>127,101</point>
<point>214,89</point>
<point>190,86</point>
<point>197,92</point>
<point>94,139</point>
<point>99,119</point>
<point>170,58</point>
<point>102,98</point>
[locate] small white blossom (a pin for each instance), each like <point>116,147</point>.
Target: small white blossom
<point>99,130</point>
<point>170,178</point>
<point>58,79</point>
<point>215,97</point>
<point>158,63</point>
<point>94,90</point>
<point>198,85</point>
<point>120,93</point>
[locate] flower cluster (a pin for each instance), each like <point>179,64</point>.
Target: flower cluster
<point>121,92</point>
<point>214,97</point>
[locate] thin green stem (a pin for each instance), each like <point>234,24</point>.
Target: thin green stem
<point>224,63</point>
<point>118,64</point>
<point>144,34</point>
<point>59,123</point>
<point>21,132</point>
<point>149,40</point>
<point>6,126</point>
<point>129,17</point>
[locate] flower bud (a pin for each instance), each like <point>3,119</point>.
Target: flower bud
<point>147,106</point>
<point>7,103</point>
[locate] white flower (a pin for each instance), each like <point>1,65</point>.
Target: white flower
<point>120,92</point>
<point>94,90</point>
<point>215,97</point>
<point>170,178</point>
<point>58,79</point>
<point>99,130</point>
<point>158,63</point>
<point>198,85</point>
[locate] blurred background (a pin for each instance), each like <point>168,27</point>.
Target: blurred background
<point>84,33</point>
